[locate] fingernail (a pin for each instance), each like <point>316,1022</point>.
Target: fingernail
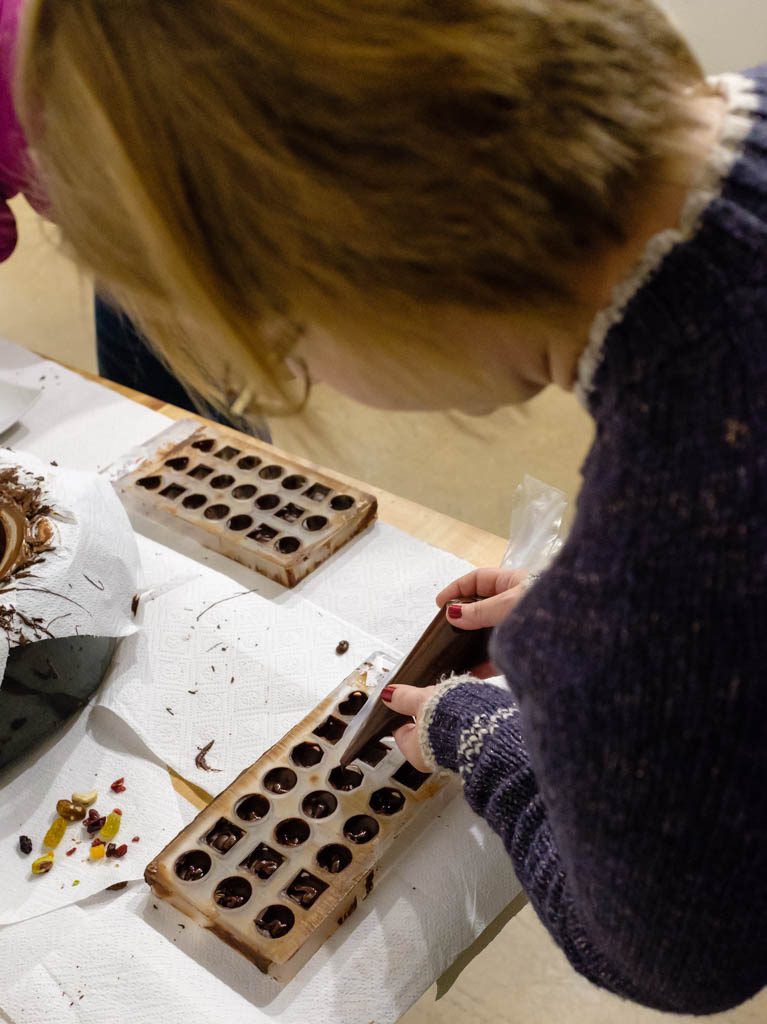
<point>454,611</point>
<point>387,693</point>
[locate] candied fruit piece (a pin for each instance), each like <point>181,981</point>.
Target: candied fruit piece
<point>55,833</point>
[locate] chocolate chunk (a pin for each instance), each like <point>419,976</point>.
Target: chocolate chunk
<point>224,835</point>
<point>307,755</point>
<point>193,865</point>
<point>356,700</point>
<point>292,832</point>
<point>387,800</point>
<point>319,804</point>
<point>345,779</point>
<point>280,780</point>
<point>275,921</point>
<point>263,861</point>
<point>361,828</point>
<point>334,858</point>
<point>305,889</point>
<point>233,892</point>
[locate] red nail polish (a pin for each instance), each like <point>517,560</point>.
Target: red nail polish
<point>454,611</point>
<point>387,693</point>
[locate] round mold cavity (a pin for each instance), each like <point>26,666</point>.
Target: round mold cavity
<point>205,445</point>
<point>181,462</point>
<point>194,501</point>
<point>361,829</point>
<point>241,522</point>
<point>307,755</point>
<point>287,545</point>
<point>222,481</point>
<point>387,801</point>
<point>216,512</point>
<point>253,807</point>
<point>271,472</point>
<point>248,462</point>
<point>353,703</point>
<point>275,921</point>
<point>192,865</point>
<point>267,502</point>
<point>280,780</point>
<point>314,523</point>
<point>294,482</point>
<point>319,804</point>
<point>346,778</point>
<point>341,502</point>
<point>334,858</point>
<point>149,483</point>
<point>292,832</point>
<point>244,491</point>
<point>233,893</point>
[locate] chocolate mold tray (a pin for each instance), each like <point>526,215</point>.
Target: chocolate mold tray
<point>240,497</point>
<point>280,859</point>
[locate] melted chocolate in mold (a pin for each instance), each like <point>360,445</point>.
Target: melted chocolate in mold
<point>149,483</point>
<point>307,755</point>
<point>263,533</point>
<point>248,462</point>
<point>361,829</point>
<point>194,501</point>
<point>262,862</point>
<point>244,491</point>
<point>180,463</point>
<point>287,545</point>
<point>317,492</point>
<point>275,921</point>
<point>224,835</point>
<point>334,858</point>
<point>319,804</point>
<point>200,472</point>
<point>354,703</point>
<point>387,801</point>
<point>342,502</point>
<point>290,513</point>
<point>271,472</point>
<point>292,832</point>
<point>221,482</point>
<point>373,753</point>
<point>305,889</point>
<point>239,523</point>
<point>227,453</point>
<point>172,491</point>
<point>216,511</point>
<point>280,780</point>
<point>193,865</point>
<point>294,482</point>
<point>206,445</point>
<point>233,892</point>
<point>410,776</point>
<point>267,502</point>
<point>332,729</point>
<point>314,523</point>
<point>345,779</point>
<point>253,807</point>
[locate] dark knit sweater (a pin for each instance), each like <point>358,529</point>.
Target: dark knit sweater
<point>629,779</point>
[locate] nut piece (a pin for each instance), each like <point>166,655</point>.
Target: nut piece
<point>85,799</point>
<point>43,864</point>
<point>70,811</point>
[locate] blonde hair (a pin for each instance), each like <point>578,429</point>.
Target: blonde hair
<point>228,167</point>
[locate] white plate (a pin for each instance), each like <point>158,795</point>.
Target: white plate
<point>15,401</point>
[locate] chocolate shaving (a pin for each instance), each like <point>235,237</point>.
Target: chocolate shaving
<point>200,760</point>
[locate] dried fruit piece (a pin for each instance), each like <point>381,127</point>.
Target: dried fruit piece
<point>342,647</point>
<point>43,864</point>
<point>70,811</point>
<point>25,845</point>
<point>118,786</point>
<point>121,850</point>
<point>55,833</point>
<point>98,852</point>
<point>94,824</point>
<point>111,825</point>
<point>136,839</point>
<point>85,799</point>
<point>70,852</point>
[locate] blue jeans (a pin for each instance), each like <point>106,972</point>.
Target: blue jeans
<point>125,357</point>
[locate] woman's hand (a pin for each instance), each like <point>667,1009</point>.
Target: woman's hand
<point>409,700</point>
<point>500,590</point>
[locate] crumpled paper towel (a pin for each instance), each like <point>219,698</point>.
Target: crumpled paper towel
<point>86,582</point>
<point>91,753</point>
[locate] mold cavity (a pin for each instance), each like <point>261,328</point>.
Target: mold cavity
<point>332,729</point>
<point>387,801</point>
<point>233,892</point>
<point>290,513</point>
<point>221,482</point>
<point>263,533</point>
<point>206,445</point>
<point>307,755</point>
<point>314,523</point>
<point>179,463</point>
<point>280,780</point>
<point>248,462</point>
<point>193,865</point>
<point>227,453</point>
<point>341,502</point>
<point>200,472</point>
<point>305,889</point>
<point>271,472</point>
<point>172,491</point>
<point>361,829</point>
<point>194,501</point>
<point>373,753</point>
<point>409,776</point>
<point>239,523</point>
<point>294,482</point>
<point>224,835</point>
<point>319,804</point>
<point>244,491</point>
<point>216,511</point>
<point>287,545</point>
<point>252,808</point>
<point>292,832</point>
<point>149,483</point>
<point>275,921</point>
<point>354,702</point>
<point>317,492</point>
<point>334,858</point>
<point>345,778</point>
<point>267,502</point>
<point>262,862</point>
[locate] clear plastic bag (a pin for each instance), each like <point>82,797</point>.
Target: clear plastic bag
<point>536,526</point>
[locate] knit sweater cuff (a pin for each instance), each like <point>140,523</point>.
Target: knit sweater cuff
<point>457,719</point>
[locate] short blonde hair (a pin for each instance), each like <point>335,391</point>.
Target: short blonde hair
<point>226,167</point>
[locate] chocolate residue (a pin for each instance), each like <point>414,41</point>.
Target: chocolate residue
<point>348,913</point>
<point>200,760</point>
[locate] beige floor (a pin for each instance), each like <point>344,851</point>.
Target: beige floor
<point>465,467</point>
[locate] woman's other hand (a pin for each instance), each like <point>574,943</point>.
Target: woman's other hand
<point>499,590</point>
